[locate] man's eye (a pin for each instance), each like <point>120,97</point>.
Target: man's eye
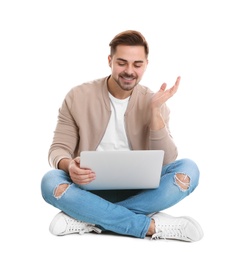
<point>138,66</point>
<point>121,64</point>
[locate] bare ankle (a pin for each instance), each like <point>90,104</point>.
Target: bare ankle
<point>151,229</point>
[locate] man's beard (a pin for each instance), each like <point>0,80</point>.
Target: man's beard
<point>127,86</point>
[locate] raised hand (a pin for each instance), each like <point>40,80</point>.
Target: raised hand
<point>160,97</point>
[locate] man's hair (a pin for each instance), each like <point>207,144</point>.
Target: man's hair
<point>128,38</point>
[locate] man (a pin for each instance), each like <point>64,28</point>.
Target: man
<point>117,113</point>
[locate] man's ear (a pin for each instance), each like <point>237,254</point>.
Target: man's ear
<point>109,60</point>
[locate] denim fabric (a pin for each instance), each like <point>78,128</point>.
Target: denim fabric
<point>121,211</point>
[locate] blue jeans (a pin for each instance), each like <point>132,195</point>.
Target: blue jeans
<point>121,211</point>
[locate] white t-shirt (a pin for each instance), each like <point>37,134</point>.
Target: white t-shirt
<point>115,137</point>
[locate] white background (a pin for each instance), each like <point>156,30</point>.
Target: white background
<point>47,47</point>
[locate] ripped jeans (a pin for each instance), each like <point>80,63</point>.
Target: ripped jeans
<point>122,211</point>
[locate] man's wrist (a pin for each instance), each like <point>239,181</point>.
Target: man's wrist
<point>157,121</point>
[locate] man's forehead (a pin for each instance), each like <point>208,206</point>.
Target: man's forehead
<point>130,53</point>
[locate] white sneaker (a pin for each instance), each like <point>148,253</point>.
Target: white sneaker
<point>178,228</point>
<point>62,224</point>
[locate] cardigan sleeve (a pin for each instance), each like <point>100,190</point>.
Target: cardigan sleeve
<point>162,139</point>
<point>65,135</point>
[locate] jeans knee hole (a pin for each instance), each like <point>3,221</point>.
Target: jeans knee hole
<point>60,190</point>
<point>182,180</point>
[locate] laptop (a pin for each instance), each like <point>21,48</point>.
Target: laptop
<point>136,169</point>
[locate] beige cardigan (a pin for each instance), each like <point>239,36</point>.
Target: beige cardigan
<point>84,116</point>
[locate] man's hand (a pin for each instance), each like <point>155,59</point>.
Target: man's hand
<point>158,99</point>
<point>79,175</point>
<point>164,94</point>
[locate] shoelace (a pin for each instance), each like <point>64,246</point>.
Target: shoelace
<point>169,232</point>
<point>90,228</point>
<point>74,225</point>
<point>80,227</point>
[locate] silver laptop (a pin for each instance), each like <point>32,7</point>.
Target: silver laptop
<point>137,169</point>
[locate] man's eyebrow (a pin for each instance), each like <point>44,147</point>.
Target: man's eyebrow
<point>136,61</point>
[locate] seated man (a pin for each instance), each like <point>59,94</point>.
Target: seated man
<point>117,113</point>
